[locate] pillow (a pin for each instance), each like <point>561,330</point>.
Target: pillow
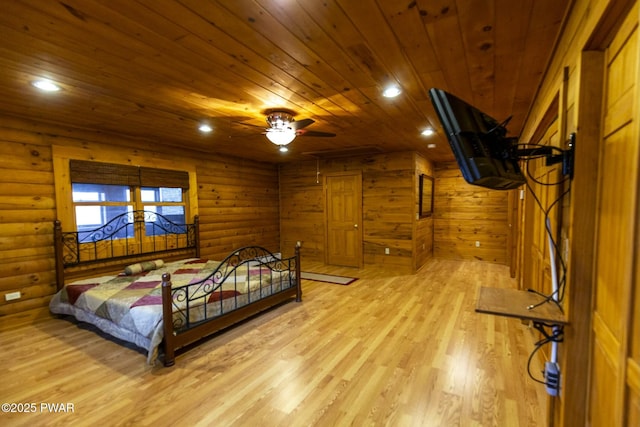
<point>143,266</point>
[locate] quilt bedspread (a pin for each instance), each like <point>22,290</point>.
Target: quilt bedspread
<point>130,307</point>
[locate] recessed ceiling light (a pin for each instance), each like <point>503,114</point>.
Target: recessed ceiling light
<point>428,132</point>
<point>431,145</point>
<point>391,91</point>
<point>46,85</point>
<point>205,128</point>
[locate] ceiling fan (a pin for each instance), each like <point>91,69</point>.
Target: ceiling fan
<point>283,128</point>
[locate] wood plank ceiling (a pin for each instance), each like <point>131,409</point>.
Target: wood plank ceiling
<point>156,69</point>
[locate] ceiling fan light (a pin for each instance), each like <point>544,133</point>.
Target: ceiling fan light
<point>279,119</point>
<point>281,136</point>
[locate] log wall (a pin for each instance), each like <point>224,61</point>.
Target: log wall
<point>237,201</point>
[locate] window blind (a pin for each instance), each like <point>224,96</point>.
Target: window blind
<point>150,177</point>
<point>88,172</point>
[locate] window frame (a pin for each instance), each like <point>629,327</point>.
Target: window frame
<point>62,156</point>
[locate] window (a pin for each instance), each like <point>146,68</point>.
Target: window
<point>166,201</point>
<point>101,192</point>
<point>95,205</point>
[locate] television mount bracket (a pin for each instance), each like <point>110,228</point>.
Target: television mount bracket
<point>566,157</point>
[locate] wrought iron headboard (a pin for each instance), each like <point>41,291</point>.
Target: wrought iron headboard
<point>116,239</point>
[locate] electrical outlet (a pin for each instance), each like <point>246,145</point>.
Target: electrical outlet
<point>477,243</point>
<point>386,251</point>
<point>12,296</point>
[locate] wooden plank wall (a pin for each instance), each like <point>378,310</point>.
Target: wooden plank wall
<point>389,190</point>
<point>238,203</point>
<point>465,214</point>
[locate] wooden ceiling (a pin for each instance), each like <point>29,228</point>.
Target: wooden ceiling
<point>156,69</point>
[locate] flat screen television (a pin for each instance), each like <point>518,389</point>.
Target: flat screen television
<point>485,155</point>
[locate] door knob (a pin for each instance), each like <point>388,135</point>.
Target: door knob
<point>355,225</point>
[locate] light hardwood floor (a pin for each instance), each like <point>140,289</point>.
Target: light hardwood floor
<point>393,350</point>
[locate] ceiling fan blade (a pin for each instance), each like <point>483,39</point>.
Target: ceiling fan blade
<point>237,136</point>
<point>248,124</point>
<point>316,133</point>
<point>299,124</point>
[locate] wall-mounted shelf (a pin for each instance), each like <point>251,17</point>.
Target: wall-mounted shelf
<point>514,303</point>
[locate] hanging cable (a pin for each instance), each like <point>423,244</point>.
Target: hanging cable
<point>551,372</point>
<point>556,336</point>
<point>547,211</point>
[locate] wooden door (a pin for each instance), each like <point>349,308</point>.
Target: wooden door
<point>614,398</point>
<point>344,219</point>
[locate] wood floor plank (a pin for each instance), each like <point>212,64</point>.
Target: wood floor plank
<point>389,349</point>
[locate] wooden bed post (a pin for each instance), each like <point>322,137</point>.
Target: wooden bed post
<point>58,249</point>
<point>298,276</point>
<point>167,321</point>
<point>196,224</point>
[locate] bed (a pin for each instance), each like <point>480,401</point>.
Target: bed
<point>157,292</point>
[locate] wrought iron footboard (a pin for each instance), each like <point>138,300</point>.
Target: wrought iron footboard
<point>247,275</point>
